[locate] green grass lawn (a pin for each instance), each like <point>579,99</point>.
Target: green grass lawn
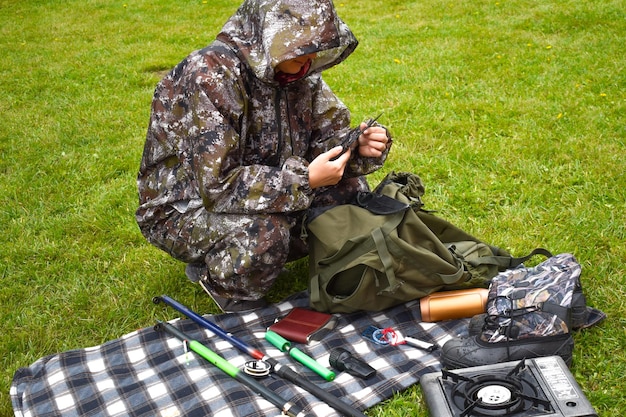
<point>513,112</point>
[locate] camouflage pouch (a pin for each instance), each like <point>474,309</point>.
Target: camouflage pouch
<point>546,300</point>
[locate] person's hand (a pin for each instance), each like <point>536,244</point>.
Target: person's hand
<point>324,172</point>
<point>373,141</point>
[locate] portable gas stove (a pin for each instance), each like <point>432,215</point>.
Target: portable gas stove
<point>531,387</point>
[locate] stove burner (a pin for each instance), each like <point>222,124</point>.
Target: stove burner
<point>494,394</point>
<point>534,387</point>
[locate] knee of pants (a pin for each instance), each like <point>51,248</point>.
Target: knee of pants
<point>261,244</point>
<point>245,263</point>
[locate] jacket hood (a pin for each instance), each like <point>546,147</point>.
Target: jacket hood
<point>268,32</point>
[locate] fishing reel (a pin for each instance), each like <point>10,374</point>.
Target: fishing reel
<point>257,369</point>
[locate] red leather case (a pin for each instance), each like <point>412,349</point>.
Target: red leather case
<point>301,325</point>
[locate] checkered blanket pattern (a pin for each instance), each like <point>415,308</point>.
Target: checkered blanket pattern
<point>148,373</point>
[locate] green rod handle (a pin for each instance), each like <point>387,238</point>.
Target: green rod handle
<point>200,349</point>
<point>311,363</point>
<point>284,346</point>
<point>214,358</point>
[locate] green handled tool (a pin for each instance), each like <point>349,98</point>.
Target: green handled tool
<point>285,346</point>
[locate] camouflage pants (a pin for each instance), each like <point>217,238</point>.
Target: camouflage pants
<point>243,254</point>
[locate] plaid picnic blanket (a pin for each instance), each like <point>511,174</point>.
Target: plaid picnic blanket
<point>148,373</point>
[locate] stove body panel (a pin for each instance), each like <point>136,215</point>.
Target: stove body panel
<point>533,387</point>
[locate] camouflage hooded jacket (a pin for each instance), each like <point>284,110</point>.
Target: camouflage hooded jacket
<point>224,134</point>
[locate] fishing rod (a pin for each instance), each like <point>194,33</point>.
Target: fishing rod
<point>282,371</point>
<point>231,370</point>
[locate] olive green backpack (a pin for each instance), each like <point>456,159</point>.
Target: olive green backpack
<point>385,250</point>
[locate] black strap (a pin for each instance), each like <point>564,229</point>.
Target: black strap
<point>379,203</point>
<point>508,262</point>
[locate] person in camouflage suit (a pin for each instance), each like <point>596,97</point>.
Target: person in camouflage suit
<point>242,141</point>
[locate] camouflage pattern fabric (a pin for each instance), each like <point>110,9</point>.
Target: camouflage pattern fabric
<point>224,174</point>
<point>554,281</point>
<point>526,325</point>
<point>518,300</point>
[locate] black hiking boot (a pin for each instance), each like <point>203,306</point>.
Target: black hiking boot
<point>473,351</point>
<point>522,333</point>
<point>228,305</point>
<point>197,273</point>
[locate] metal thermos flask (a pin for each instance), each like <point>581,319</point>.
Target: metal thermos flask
<point>457,304</point>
